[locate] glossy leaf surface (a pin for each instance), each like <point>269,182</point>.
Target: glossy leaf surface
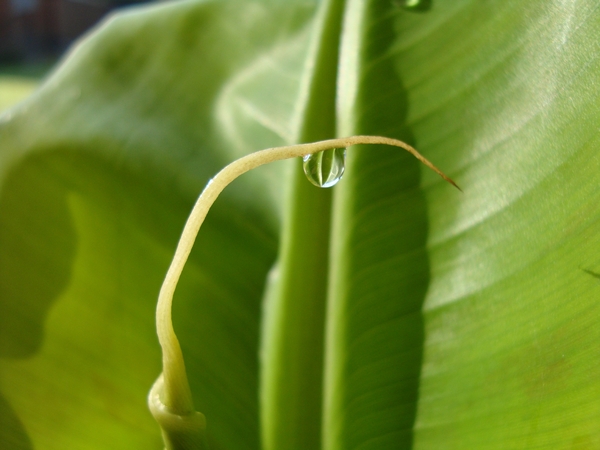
<point>401,313</point>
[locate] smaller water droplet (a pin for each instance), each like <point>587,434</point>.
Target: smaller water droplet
<point>325,169</point>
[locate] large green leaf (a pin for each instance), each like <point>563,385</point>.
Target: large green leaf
<point>92,205</point>
<point>401,313</point>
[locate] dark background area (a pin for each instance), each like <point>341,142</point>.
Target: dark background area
<point>40,30</point>
<point>35,33</point>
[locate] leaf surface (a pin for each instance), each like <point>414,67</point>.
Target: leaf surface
<point>401,314</point>
<point>93,201</point>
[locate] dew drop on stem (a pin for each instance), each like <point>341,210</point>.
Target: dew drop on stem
<point>324,169</point>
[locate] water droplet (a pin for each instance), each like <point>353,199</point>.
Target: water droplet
<point>325,169</point>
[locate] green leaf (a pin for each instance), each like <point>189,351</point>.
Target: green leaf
<point>92,205</point>
<point>379,266</point>
<point>401,313</point>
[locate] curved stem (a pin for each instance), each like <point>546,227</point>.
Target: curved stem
<point>172,388</point>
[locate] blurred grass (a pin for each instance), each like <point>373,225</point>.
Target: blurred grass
<point>17,81</point>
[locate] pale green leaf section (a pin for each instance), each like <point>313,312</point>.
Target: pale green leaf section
<point>468,321</point>
<point>505,95</point>
<point>99,170</point>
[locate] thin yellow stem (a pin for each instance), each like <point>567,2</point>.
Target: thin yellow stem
<point>172,389</point>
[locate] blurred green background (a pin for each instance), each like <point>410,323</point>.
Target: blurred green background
<point>17,81</point>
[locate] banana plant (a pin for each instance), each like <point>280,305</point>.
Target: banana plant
<point>390,311</point>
